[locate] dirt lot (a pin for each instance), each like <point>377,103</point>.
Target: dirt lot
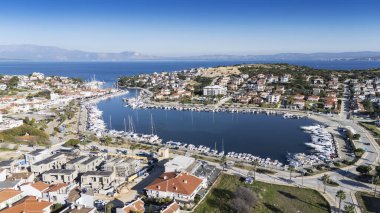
<point>220,71</point>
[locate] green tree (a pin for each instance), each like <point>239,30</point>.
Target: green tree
<point>356,136</point>
<point>363,169</point>
<point>109,207</point>
<point>71,142</point>
<point>376,181</point>
<point>13,82</point>
<point>255,163</point>
<point>341,195</point>
<point>325,180</point>
<point>350,208</point>
<point>224,162</point>
<point>291,170</point>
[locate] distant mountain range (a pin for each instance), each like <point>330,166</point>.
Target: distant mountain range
<point>50,53</point>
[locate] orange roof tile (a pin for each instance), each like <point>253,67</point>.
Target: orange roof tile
<point>28,205</point>
<point>40,186</point>
<point>6,194</point>
<point>183,183</point>
<point>135,206</point>
<point>173,207</point>
<point>56,187</point>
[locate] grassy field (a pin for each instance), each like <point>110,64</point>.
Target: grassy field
<point>368,202</point>
<point>273,198</point>
<point>371,127</point>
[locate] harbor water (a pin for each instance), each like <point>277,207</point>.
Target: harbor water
<point>258,134</point>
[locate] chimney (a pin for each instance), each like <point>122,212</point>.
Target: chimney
<point>175,188</point>
<point>165,177</point>
<point>185,181</point>
<point>158,187</point>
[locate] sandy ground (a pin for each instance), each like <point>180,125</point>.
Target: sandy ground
<point>220,71</point>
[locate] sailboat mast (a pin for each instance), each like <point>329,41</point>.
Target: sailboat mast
<point>110,123</point>
<point>151,123</point>
<point>222,145</point>
<point>125,126</point>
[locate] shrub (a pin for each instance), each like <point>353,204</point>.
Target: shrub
<point>71,143</point>
<point>363,169</point>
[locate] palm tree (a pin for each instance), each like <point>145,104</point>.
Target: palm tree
<point>291,169</point>
<point>350,208</point>
<point>325,180</point>
<point>224,160</point>
<point>341,195</point>
<point>255,163</point>
<point>376,181</point>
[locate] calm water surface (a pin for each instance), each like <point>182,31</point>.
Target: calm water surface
<point>259,134</point>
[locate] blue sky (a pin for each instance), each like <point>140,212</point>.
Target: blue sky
<point>191,27</point>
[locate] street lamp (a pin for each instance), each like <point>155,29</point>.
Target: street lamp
<point>302,171</point>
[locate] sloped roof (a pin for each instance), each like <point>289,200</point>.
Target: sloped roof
<point>6,194</point>
<point>30,204</point>
<point>173,207</point>
<point>40,186</point>
<point>182,183</point>
<point>135,206</point>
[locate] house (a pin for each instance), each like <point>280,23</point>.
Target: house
<point>273,98</point>
<point>97,179</point>
<point>180,186</point>
<point>84,163</point>
<point>3,87</point>
<point>34,189</point>
<point>179,163</point>
<point>36,155</point>
<point>244,99</point>
<point>298,97</point>
<point>313,98</point>
<point>300,104</point>
<point>285,78</point>
<point>56,193</point>
<point>10,184</point>
<point>23,177</point>
<point>317,91</point>
<point>164,152</point>
<point>59,176</point>
<point>133,207</point>
<point>329,103</point>
<point>122,167</point>
<point>214,90</point>
<point>13,166</point>
<point>82,198</point>
<point>171,208</point>
<point>29,204</point>
<point>9,197</point>
<point>3,174</point>
<point>55,161</point>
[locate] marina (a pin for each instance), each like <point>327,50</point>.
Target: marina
<point>205,131</point>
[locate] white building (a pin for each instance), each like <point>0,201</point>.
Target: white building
<point>181,187</point>
<point>3,86</point>
<point>274,98</point>
<point>179,163</point>
<point>214,90</point>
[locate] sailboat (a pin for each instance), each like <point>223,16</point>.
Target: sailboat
<point>153,138</point>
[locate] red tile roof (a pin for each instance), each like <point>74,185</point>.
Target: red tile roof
<point>7,194</point>
<point>28,205</point>
<point>40,186</point>
<point>135,206</point>
<point>173,207</point>
<point>183,183</point>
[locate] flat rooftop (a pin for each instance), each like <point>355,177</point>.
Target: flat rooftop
<point>60,171</point>
<point>98,173</point>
